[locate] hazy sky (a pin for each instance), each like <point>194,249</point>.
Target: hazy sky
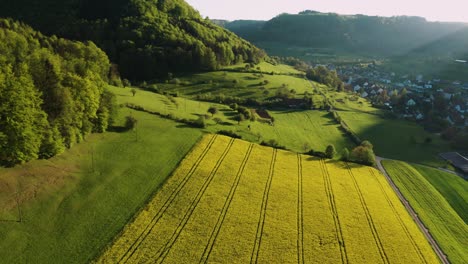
<point>433,10</point>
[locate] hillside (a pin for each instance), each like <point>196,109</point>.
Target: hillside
<point>147,38</point>
<point>330,33</point>
<point>68,208</point>
<point>52,93</point>
<point>232,201</point>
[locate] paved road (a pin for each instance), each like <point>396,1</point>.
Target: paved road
<point>413,214</point>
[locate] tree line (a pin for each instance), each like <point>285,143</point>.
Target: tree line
<point>52,93</point>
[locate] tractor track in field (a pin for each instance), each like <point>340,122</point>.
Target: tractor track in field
<point>261,221</point>
<point>163,252</point>
<point>443,258</point>
<point>334,211</point>
<point>227,204</point>
<point>402,224</point>
<point>300,214</point>
<point>134,246</point>
<point>370,221</point>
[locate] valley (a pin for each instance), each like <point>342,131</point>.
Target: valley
<point>145,132</point>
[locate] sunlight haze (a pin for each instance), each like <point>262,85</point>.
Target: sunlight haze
<point>448,10</point>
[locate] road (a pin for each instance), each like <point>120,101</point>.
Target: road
<point>413,214</point>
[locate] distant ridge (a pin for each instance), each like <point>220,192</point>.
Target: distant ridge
<point>357,34</point>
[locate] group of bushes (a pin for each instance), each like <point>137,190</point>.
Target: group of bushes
<point>272,143</point>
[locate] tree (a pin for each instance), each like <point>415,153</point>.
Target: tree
<point>133,91</point>
<point>22,121</point>
<point>306,147</point>
<point>240,117</point>
<point>200,122</point>
<point>217,120</point>
<point>130,122</point>
<point>213,110</point>
<point>363,155</point>
<point>367,144</point>
<point>345,155</point>
<point>330,151</point>
<point>126,83</point>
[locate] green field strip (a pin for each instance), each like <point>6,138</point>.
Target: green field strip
<point>261,220</point>
<point>336,219</point>
<point>231,245</point>
<point>172,217</point>
<point>300,212</point>
<point>137,242</point>
<point>191,243</point>
<point>162,253</point>
<point>404,252</point>
<point>227,204</point>
<point>444,224</point>
<point>321,243</point>
<point>353,218</point>
<point>279,238</point>
<point>369,217</point>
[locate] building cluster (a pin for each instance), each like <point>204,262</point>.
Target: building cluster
<point>421,95</point>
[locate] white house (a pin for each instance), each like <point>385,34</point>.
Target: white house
<point>357,88</point>
<point>411,102</point>
<point>450,120</point>
<point>364,94</point>
<point>448,96</point>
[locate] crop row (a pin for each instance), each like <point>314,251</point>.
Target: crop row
<point>231,201</point>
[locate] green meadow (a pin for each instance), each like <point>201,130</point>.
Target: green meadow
<point>74,204</point>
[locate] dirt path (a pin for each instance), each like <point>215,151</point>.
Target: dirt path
<point>413,214</point>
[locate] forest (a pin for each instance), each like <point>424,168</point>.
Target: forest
<point>147,39</point>
<point>52,92</point>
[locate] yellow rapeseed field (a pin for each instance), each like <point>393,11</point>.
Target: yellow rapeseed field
<point>231,201</point>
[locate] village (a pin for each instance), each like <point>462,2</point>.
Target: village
<point>412,97</point>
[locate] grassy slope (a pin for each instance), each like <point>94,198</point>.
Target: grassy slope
<point>248,84</point>
<point>439,217</point>
<point>267,67</point>
<point>392,138</point>
<point>78,211</point>
<point>292,128</point>
<point>452,187</point>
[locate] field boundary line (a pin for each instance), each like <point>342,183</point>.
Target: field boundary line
<point>402,224</point>
<point>227,204</point>
<point>334,211</point>
<point>300,212</point>
<point>134,246</point>
<point>261,220</point>
<point>370,221</point>
<point>162,253</point>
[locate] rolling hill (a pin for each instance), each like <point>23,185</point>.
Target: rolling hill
<point>147,39</point>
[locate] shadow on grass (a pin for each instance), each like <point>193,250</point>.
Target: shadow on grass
<point>118,129</point>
